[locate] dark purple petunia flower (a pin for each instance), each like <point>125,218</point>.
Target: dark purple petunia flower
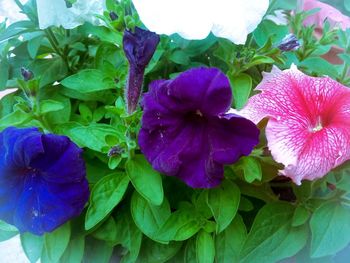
<point>42,180</point>
<point>139,47</point>
<point>185,129</point>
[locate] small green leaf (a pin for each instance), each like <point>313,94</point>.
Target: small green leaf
<point>229,243</point>
<point>154,252</point>
<point>330,228</point>
<point>205,248</point>
<point>181,225</point>
<point>105,195</point>
<point>145,180</point>
<point>14,119</point>
<point>33,46</point>
<point>179,57</point>
<point>50,106</point>
<point>107,231</point>
<point>4,72</point>
<point>347,5</point>
<point>75,251</point>
<point>32,246</point>
<point>241,86</point>
<point>92,136</point>
<point>55,244</point>
<point>251,169</point>
<point>97,251</point>
<point>301,215</point>
<point>88,80</point>
<point>129,236</point>
<point>148,217</point>
<point>224,202</point>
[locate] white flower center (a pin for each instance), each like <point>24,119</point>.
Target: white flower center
<point>318,125</point>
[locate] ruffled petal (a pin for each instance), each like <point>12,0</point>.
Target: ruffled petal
<point>230,137</point>
<point>194,19</point>
<point>204,89</point>
<point>183,17</point>
<point>237,19</point>
<point>62,161</point>
<point>20,146</point>
<point>44,206</point>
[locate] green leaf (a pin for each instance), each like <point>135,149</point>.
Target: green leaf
<point>145,180</point>
<point>205,248</point>
<point>7,231</point>
<point>229,243</point>
<point>154,252</point>
<point>32,246</point>
<point>4,72</point>
<point>181,225</point>
<point>97,251</point>
<point>105,195</point>
<point>33,46</point>
<point>14,119</point>
<point>92,136</point>
<point>347,5</point>
<point>148,217</point>
<point>241,86</point>
<point>88,80</point>
<point>330,228</point>
<point>55,243</point>
<point>224,202</point>
<point>179,57</point>
<point>75,251</point>
<point>319,66</point>
<point>301,215</point>
<point>251,169</point>
<point>107,231</point>
<point>50,106</point>
<point>268,29</point>
<point>272,237</point>
<point>129,236</point>
<point>190,255</point>
<point>49,70</point>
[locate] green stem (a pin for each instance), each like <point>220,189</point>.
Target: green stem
<point>55,45</point>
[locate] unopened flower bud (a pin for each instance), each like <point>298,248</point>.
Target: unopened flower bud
<point>289,43</point>
<point>113,16</point>
<point>26,74</point>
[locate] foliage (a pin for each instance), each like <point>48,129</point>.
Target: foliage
<point>134,212</point>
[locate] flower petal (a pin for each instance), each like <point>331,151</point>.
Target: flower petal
<point>204,89</point>
<point>236,20</point>
<point>230,137</point>
<point>182,17</point>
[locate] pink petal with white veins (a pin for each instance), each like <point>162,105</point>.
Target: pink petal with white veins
<point>309,121</point>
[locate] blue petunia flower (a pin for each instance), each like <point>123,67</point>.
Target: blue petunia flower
<point>139,47</point>
<point>186,131</point>
<point>42,180</point>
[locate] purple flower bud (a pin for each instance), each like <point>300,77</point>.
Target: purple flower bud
<point>113,16</point>
<point>139,47</point>
<point>26,74</point>
<point>289,43</point>
<point>115,150</point>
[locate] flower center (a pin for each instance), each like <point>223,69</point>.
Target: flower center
<point>318,125</point>
<point>195,116</point>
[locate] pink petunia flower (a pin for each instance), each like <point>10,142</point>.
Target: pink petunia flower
<point>333,15</point>
<point>309,121</point>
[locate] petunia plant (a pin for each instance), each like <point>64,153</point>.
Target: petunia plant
<point>176,131</point>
